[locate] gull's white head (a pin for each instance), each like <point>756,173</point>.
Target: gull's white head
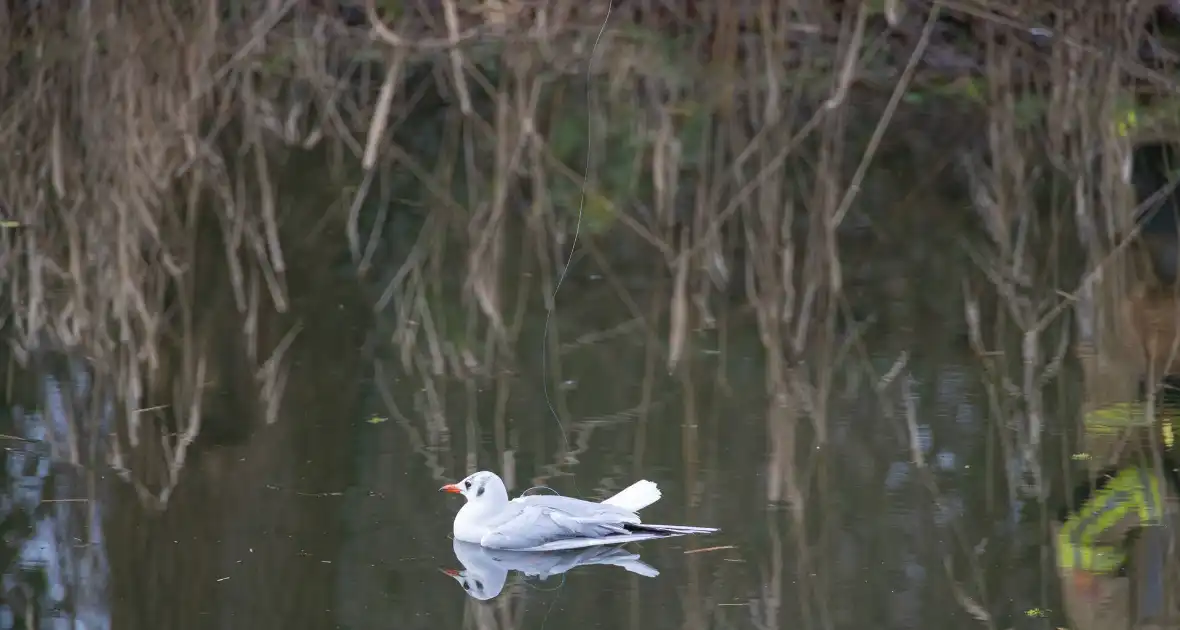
<point>480,488</point>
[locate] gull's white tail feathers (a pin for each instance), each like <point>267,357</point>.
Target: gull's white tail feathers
<point>636,496</point>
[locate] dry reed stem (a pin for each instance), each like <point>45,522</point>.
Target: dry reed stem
<point>678,327</point>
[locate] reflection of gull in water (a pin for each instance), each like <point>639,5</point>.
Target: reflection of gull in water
<point>485,570</point>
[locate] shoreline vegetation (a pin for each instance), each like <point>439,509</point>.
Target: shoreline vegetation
<point>193,193</point>
<point>157,153</point>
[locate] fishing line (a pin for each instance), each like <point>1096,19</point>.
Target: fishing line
<point>577,229</point>
<point>559,590</point>
<point>561,584</point>
<point>525,583</point>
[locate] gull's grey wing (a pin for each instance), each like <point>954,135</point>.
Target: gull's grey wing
<point>577,507</point>
<point>541,522</point>
<point>582,543</point>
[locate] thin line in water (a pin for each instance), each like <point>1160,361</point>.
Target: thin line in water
<point>577,230</point>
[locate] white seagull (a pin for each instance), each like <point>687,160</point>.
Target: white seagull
<point>550,522</point>
<point>486,570</point>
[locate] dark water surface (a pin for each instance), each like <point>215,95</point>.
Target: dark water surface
<point>329,516</point>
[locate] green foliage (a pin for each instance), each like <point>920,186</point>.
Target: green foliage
<point>390,10</point>
<point>968,89</point>
<point>619,144</point>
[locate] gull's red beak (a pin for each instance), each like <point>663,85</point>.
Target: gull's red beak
<point>450,572</point>
<point>452,488</point>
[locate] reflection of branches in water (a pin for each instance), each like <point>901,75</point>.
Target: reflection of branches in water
<point>175,452</point>
<point>53,520</point>
<point>1036,292</point>
<point>794,279</point>
<point>152,199</point>
<point>698,423</point>
<point>174,447</point>
<point>272,376</point>
<point>766,609</point>
<point>438,358</point>
<point>942,502</point>
<point>582,430</point>
<point>416,442</point>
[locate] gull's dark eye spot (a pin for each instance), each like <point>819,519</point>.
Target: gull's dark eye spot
<point>466,586</point>
<point>479,493</point>
<point>467,484</point>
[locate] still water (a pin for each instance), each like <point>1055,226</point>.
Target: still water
<point>326,514</point>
